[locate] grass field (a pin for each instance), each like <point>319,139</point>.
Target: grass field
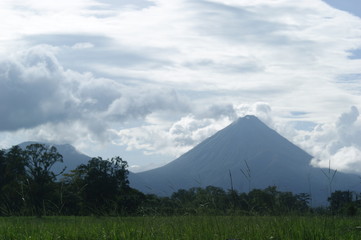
<point>187,227</point>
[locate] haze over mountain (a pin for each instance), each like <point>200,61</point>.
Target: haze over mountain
<point>247,154</point>
<point>71,157</point>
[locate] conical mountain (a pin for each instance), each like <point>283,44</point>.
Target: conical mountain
<point>246,154</point>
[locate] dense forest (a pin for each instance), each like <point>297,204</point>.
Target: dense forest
<point>29,187</point>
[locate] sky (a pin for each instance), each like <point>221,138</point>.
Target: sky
<point>147,80</point>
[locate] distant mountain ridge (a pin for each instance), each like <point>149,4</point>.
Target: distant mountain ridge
<point>71,156</point>
<point>265,157</point>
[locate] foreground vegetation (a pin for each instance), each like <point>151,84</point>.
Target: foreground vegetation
<point>94,201</point>
<point>29,187</point>
<point>182,227</point>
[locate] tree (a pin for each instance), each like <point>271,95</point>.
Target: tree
<point>2,168</point>
<point>99,183</point>
<point>40,159</point>
<point>303,201</point>
<point>212,198</point>
<point>342,202</point>
<point>13,178</point>
<point>2,177</point>
<point>272,201</point>
<point>184,198</point>
<point>261,201</point>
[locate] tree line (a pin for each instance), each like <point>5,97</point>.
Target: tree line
<point>29,186</point>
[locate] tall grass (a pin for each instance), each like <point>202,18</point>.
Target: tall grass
<point>179,228</point>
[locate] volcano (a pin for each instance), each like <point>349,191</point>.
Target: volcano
<point>245,155</point>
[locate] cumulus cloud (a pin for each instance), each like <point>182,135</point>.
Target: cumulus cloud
<point>217,111</point>
<point>175,138</point>
<point>30,90</point>
<point>335,144</point>
<point>349,118</point>
<point>145,102</point>
<point>40,96</point>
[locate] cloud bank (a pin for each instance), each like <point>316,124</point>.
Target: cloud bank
<point>336,145</point>
<point>44,98</point>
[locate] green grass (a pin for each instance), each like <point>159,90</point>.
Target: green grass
<point>187,227</point>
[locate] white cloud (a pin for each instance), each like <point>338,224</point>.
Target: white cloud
<point>337,144</point>
<point>175,138</point>
<point>349,118</point>
<point>172,140</point>
<point>44,101</point>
